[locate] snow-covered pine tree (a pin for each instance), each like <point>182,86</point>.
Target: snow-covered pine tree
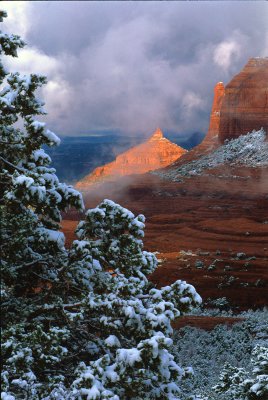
<point>240,384</point>
<point>83,323</point>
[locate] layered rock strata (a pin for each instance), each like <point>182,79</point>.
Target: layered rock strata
<point>245,103</point>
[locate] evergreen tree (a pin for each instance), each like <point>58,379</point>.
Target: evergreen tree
<point>84,322</point>
<point>240,384</point>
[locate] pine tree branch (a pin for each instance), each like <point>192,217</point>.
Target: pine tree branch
<point>71,306</point>
<point>12,165</point>
<point>42,277</point>
<point>3,142</point>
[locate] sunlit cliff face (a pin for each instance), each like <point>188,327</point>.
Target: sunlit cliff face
<point>215,111</point>
<point>157,152</point>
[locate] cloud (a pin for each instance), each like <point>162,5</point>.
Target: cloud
<point>264,53</point>
<point>57,92</point>
<point>229,51</point>
<point>31,59</point>
<point>133,66</point>
<point>191,102</point>
<point>58,95</point>
<point>17,21</point>
<point>224,53</point>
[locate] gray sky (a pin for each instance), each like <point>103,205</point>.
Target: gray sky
<point>134,66</point>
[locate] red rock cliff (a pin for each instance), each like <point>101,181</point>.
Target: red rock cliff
<point>156,152</point>
<point>245,104</point>
<point>215,115</point>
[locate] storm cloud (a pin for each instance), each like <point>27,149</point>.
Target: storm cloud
<point>134,66</point>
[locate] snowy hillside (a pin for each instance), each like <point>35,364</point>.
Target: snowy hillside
<point>250,150</point>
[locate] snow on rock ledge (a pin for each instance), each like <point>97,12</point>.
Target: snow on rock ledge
<point>250,150</point>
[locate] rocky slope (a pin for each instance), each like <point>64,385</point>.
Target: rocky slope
<point>156,152</point>
<point>250,150</point>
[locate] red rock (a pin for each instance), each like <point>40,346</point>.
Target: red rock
<point>245,104</point>
<point>214,123</point>
<point>156,152</point>
<point>237,109</point>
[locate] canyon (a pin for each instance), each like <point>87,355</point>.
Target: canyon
<point>209,226</point>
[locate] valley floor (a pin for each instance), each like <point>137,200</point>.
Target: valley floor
<point>210,230</point>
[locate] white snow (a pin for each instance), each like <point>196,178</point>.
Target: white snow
<point>39,192</point>
<point>112,341</point>
<point>6,396</point>
<point>9,97</point>
<point>128,356</point>
<point>23,180</point>
<point>52,137</point>
<point>250,150</point>
<point>53,236</point>
<point>26,81</point>
<point>38,125</point>
<point>40,154</point>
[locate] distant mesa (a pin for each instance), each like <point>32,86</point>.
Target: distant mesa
<point>157,152</point>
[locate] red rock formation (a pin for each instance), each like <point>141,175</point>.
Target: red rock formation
<point>211,140</point>
<point>214,216</point>
<point>214,123</point>
<point>156,152</point>
<point>245,104</point>
<point>237,109</point>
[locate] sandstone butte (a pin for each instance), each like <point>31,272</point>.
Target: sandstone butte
<point>245,102</point>
<point>157,152</point>
<point>238,108</point>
